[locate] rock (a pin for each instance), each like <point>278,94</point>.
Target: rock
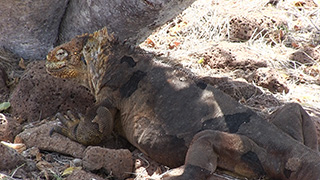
<point>117,162</point>
<point>306,55</point>
<point>254,26</point>
<point>77,162</point>
<point>231,57</point>
<point>39,95</point>
<point>39,137</point>
<point>270,79</point>
<point>128,19</point>
<point>9,128</point>
<point>9,158</point>
<point>30,28</point>
<point>238,89</point>
<point>83,175</point>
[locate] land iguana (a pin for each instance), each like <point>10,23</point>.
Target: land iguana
<point>177,120</point>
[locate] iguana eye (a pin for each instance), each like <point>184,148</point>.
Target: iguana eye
<point>61,54</point>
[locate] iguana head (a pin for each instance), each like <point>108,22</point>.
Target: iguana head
<point>82,59</point>
<point>67,60</point>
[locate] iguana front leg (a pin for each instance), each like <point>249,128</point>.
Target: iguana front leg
<point>88,130</point>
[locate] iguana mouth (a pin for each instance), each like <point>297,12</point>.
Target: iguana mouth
<point>60,69</point>
<point>55,66</point>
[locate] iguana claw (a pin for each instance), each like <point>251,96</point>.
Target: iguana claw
<point>69,125</point>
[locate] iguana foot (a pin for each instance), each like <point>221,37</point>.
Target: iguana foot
<point>87,130</point>
<point>68,126</point>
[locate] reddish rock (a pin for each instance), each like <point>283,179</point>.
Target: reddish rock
<point>9,158</point>
<point>254,26</point>
<point>40,95</point>
<point>117,162</point>
<point>39,137</point>
<point>270,79</point>
<point>83,175</point>
<point>238,89</point>
<point>231,57</point>
<point>307,56</point>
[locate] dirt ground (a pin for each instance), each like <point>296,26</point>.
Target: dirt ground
<point>262,53</point>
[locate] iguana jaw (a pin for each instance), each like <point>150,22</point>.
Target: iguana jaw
<point>60,69</point>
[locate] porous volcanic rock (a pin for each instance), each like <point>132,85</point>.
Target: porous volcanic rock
<point>306,55</point>
<point>118,162</point>
<point>40,95</point>
<point>39,137</point>
<point>83,175</point>
<point>232,57</point>
<point>254,26</point>
<point>270,79</point>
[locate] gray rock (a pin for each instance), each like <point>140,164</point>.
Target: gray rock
<point>9,158</point>
<point>29,28</point>
<point>128,19</point>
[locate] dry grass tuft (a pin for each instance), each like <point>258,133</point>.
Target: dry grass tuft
<point>285,28</point>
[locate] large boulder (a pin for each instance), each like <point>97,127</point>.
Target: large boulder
<point>29,28</point>
<point>128,19</point>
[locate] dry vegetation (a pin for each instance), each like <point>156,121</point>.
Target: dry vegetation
<point>281,30</point>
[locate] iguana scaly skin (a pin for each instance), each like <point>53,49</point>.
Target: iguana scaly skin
<point>177,120</point>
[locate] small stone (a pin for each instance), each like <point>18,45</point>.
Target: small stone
<point>77,162</point>
<point>83,175</point>
<point>117,162</point>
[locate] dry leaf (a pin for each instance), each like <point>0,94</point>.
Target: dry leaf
<point>44,165</point>
<point>69,170</point>
<point>299,3</point>
<point>150,43</point>
<point>4,106</point>
<point>295,45</point>
<point>176,43</point>
<point>22,63</point>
